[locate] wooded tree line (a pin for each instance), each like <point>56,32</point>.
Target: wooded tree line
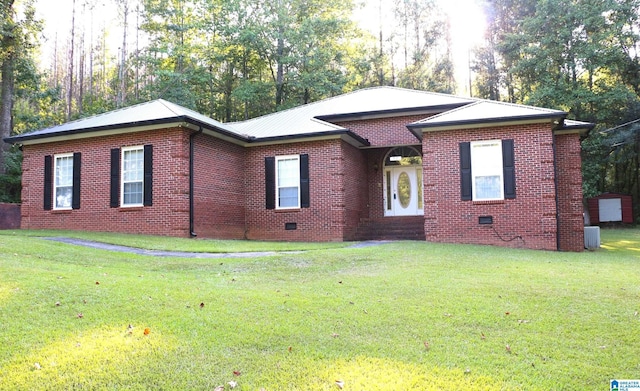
<point>228,59</point>
<point>237,59</point>
<point>580,56</point>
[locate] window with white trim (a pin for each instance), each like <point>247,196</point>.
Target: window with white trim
<point>287,181</point>
<point>63,181</point>
<point>487,170</point>
<point>132,176</point>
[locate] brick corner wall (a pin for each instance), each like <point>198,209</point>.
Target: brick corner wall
<point>570,203</point>
<point>219,192</point>
<point>528,221</point>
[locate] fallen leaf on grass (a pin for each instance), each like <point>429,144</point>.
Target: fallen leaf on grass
<point>508,348</point>
<point>426,345</point>
<point>507,313</point>
<point>97,282</point>
<point>80,315</point>
<point>237,373</point>
<point>37,366</point>
<point>147,331</point>
<point>335,335</point>
<point>482,336</point>
<point>290,349</point>
<point>130,329</point>
<point>58,304</point>
<point>201,305</point>
<point>523,321</point>
<point>219,388</point>
<point>340,384</point>
<point>233,384</point>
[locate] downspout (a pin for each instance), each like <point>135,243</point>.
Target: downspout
<point>557,196</point>
<point>192,232</point>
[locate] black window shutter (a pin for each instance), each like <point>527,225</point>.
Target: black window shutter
<point>465,171</point>
<point>509,172</point>
<point>304,181</point>
<point>115,178</point>
<point>270,182</point>
<point>48,182</point>
<point>148,175</point>
<point>75,197</point>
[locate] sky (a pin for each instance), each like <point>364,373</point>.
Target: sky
<point>466,19</point>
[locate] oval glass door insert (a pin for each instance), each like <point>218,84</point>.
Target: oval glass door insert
<point>404,190</point>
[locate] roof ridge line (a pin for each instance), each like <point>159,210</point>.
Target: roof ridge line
<point>100,114</point>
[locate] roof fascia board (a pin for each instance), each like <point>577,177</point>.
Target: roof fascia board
<point>475,124</point>
<point>390,113</point>
<point>110,132</point>
<point>561,132</point>
<point>115,130</point>
<point>347,136</point>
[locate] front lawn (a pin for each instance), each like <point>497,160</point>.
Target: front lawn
<point>405,315</point>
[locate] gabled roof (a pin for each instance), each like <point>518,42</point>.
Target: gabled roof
<point>311,119</point>
<point>157,112</point>
<point>314,120</point>
<point>486,113</point>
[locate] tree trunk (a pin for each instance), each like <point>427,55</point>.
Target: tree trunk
<point>122,88</point>
<point>280,70</point>
<point>7,45</point>
<point>70,86</point>
<point>6,107</point>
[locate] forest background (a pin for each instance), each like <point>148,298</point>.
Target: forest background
<point>238,59</point>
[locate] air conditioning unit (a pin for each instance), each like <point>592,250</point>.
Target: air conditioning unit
<point>591,237</point>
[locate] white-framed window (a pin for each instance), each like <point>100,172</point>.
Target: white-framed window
<point>63,181</point>
<point>487,170</point>
<point>287,182</point>
<point>132,188</point>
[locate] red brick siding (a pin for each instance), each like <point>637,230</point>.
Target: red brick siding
<point>531,215</point>
<point>376,192</point>
<point>570,207</point>
<point>169,214</point>
<point>385,131</point>
<point>324,220</point>
<point>219,189</point>
<point>355,182</point>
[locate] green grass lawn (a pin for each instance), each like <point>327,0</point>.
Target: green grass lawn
<point>405,315</point>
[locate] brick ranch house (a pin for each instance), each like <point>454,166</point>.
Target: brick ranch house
<point>375,163</point>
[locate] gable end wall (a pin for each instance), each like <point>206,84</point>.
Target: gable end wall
<point>528,221</point>
<point>385,131</point>
<point>169,214</point>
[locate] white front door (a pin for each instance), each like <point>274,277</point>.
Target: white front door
<point>403,195</point>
